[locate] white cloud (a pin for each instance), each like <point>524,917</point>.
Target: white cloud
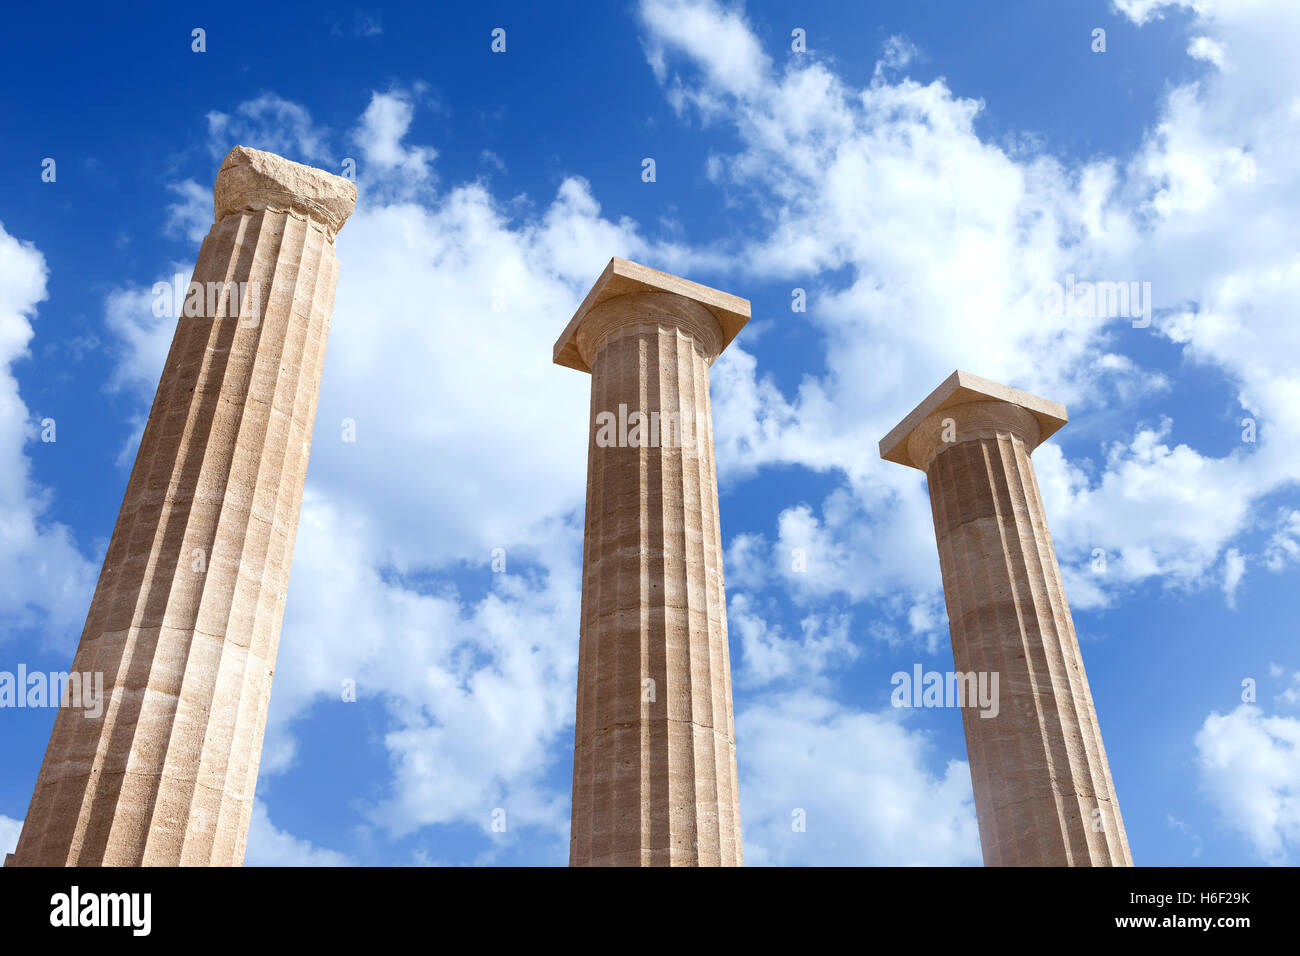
<point>1284,545</point>
<point>1234,568</point>
<point>949,242</point>
<point>1141,11</point>
<point>1203,48</point>
<point>268,846</point>
<point>386,160</point>
<point>718,37</point>
<point>898,52</point>
<point>479,691</point>
<point>1137,512</point>
<point>271,123</point>
<point>1249,767</point>
<point>862,784</point>
<point>1290,695</point>
<point>140,339</point>
<point>45,583</point>
<point>768,656</point>
<point>9,832</point>
<point>191,216</point>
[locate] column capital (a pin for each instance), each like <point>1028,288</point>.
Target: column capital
<point>627,291</point>
<point>252,179</point>
<point>976,407</point>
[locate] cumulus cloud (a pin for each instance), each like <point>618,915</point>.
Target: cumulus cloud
<point>1203,48</point>
<point>768,656</point>
<point>1234,569</point>
<point>379,135</point>
<point>822,784</point>
<point>718,38</point>
<point>1141,11</point>
<point>1284,545</point>
<point>272,123</point>
<point>924,248</point>
<point>479,690</point>
<point>190,217</point>
<point>45,581</point>
<point>1249,767</point>
<point>269,846</point>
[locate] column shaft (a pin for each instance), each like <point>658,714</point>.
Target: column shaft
<point>1043,789</point>
<point>185,621</point>
<point>654,774</point>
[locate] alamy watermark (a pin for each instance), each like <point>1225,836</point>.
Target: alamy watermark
<point>55,689</point>
<point>953,689</point>
<point>1091,300</point>
<point>204,300</point>
<point>74,908</point>
<point>638,429</point>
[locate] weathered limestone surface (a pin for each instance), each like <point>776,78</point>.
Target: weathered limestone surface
<point>185,620</point>
<point>1043,789</point>
<point>654,770</point>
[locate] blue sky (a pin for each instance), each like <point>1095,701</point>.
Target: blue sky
<point>924,171</point>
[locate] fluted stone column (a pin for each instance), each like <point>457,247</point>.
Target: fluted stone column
<point>654,767</point>
<point>185,620</point>
<point>1043,790</point>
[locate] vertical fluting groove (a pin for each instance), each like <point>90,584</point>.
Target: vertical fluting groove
<point>709,836</point>
<point>1032,752</point>
<point>179,601</point>
<point>657,843</point>
<point>657,526</point>
<point>1085,728</point>
<point>196,725</point>
<point>270,601</point>
<point>580,836</point>
<point>649,475</point>
<point>603,837</point>
<point>677,608</point>
<point>230,693</point>
<point>1062,714</point>
<point>606,593</point>
<point>1038,749</point>
<point>978,512</point>
<point>672,603</point>
<point>625,630</point>
<point>596,575</point>
<point>593,575</point>
<point>983,483</point>
<point>964,646</point>
<point>201,615</point>
<point>719,839</point>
